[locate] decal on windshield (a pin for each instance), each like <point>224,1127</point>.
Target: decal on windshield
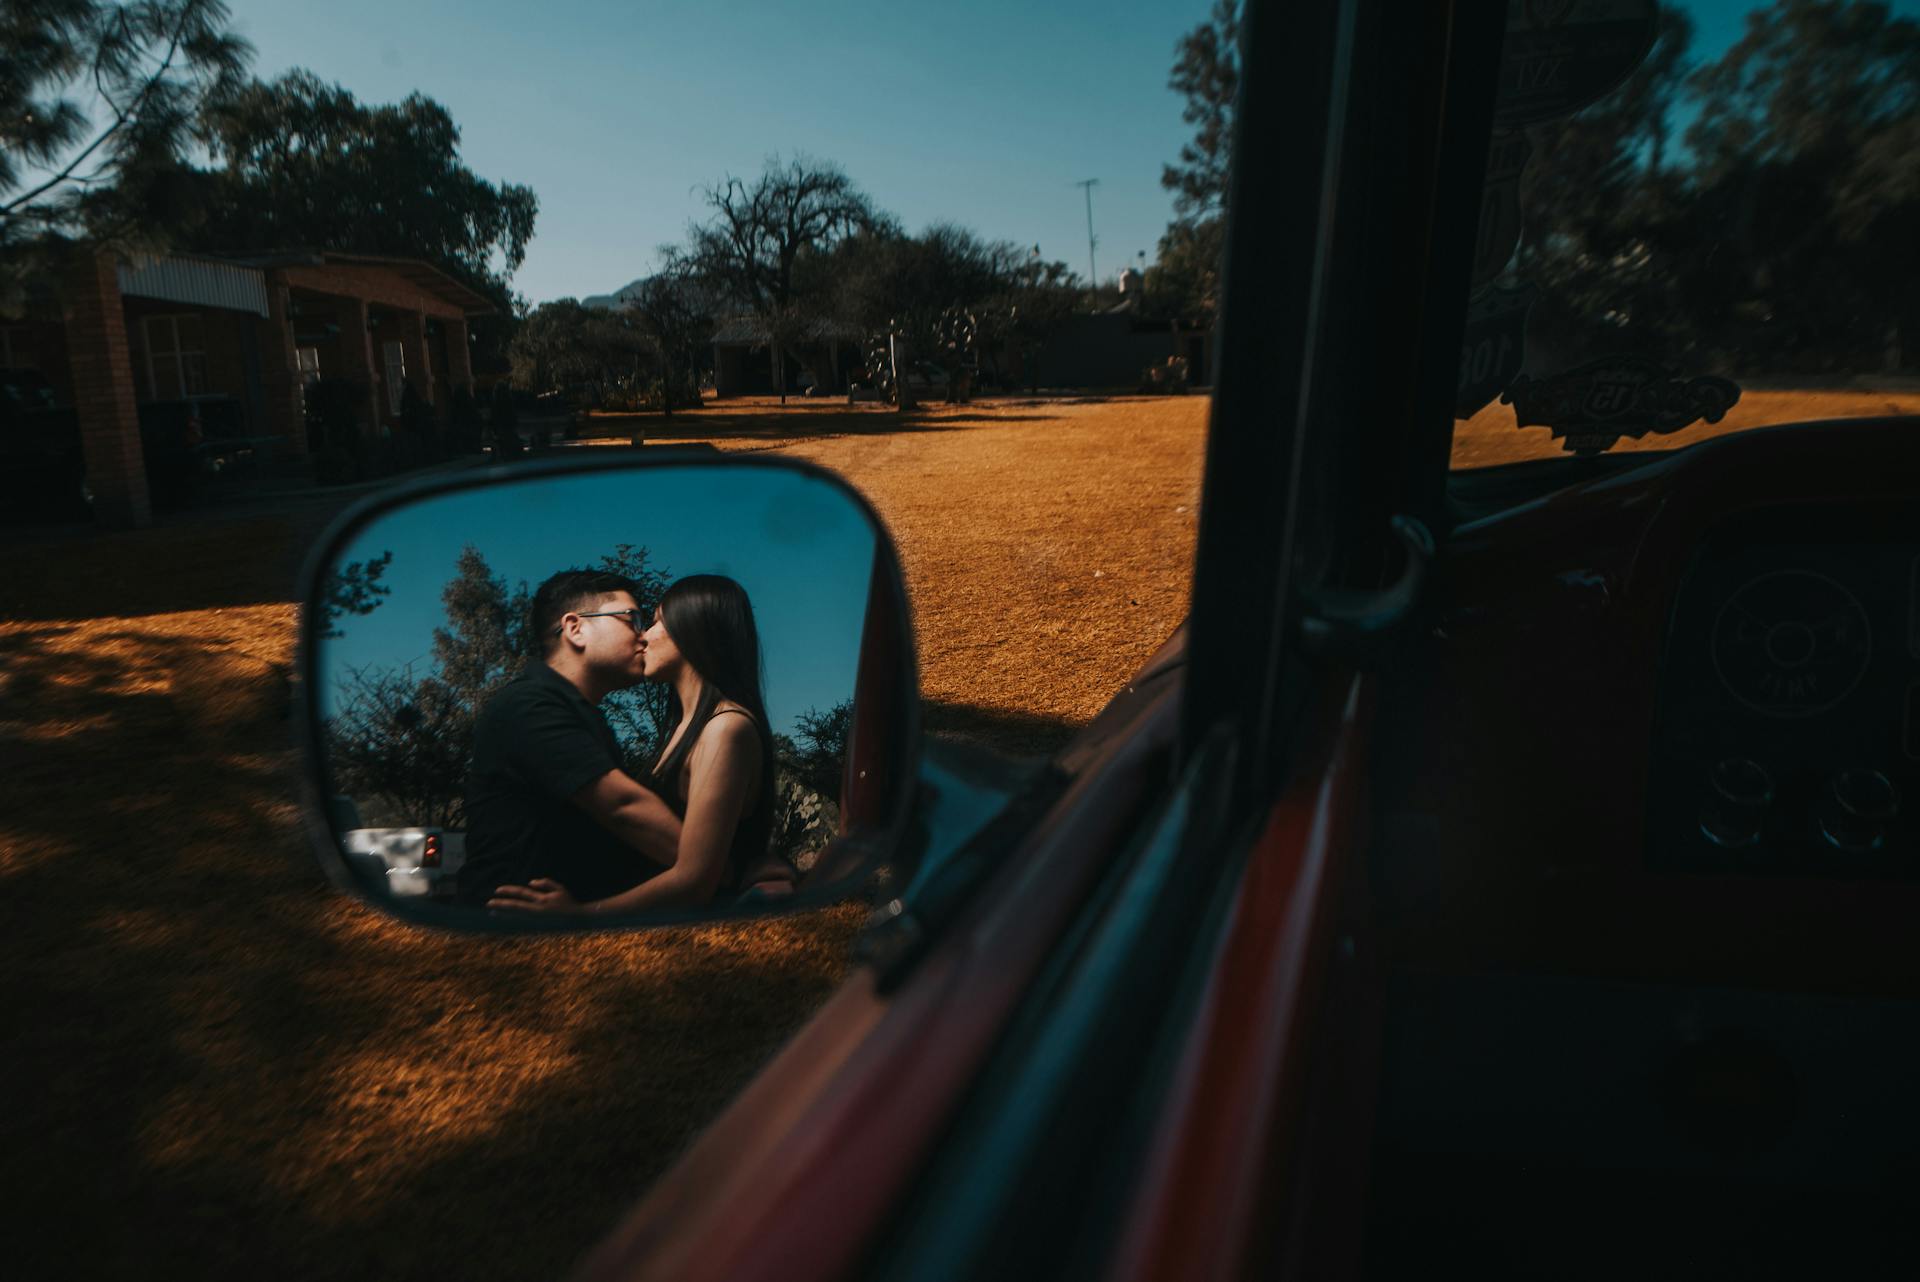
<point>1493,346</point>
<point>1499,232</point>
<point>1560,55</point>
<point>1590,407</point>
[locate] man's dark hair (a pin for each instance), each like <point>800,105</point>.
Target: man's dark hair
<point>565,592</point>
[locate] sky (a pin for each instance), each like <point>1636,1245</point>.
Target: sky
<point>616,113</point>
<point>798,545</point>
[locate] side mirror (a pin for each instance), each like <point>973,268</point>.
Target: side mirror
<point>466,729</point>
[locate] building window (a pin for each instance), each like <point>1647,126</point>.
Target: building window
<point>176,357</point>
<point>307,361</point>
<point>16,349</point>
<point>396,357</point>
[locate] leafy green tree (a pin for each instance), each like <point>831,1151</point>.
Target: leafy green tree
<point>1206,72</point>
<point>563,343</point>
<point>97,102</point>
<point>1027,312</point>
<point>1806,134</point>
<point>639,713</point>
<point>1607,231</point>
<point>1774,236</point>
<point>355,589</point>
<point>954,302</point>
<point>1185,278</point>
<point>886,276</point>
<point>304,163</point>
<point>676,318</point>
<point>809,769</point>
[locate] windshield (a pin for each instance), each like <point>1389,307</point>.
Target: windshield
<point>1696,219</point>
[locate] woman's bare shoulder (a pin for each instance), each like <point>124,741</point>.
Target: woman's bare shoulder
<point>727,733</point>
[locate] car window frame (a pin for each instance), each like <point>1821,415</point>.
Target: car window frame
<point>1363,330</point>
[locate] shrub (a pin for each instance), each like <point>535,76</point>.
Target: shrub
<point>1170,377</point>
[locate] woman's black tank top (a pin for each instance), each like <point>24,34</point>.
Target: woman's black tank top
<point>741,855</point>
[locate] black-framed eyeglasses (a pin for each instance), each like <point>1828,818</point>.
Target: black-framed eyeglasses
<point>636,619</point>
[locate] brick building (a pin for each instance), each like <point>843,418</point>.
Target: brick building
<point>240,335</point>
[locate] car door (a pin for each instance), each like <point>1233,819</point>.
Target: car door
<point>1095,1062</point>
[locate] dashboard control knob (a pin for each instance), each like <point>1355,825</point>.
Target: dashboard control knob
<point>1739,793</point>
<point>1858,806</point>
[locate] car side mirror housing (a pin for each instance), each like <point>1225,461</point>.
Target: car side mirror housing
<point>608,690</point>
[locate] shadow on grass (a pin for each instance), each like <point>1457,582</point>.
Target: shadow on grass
<point>223,1070</point>
<point>794,425</point>
<point>212,562</point>
<point>1020,734</point>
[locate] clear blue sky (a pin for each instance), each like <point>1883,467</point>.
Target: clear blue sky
<point>801,550</point>
<point>613,112</point>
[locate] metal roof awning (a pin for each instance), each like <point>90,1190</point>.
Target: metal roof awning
<point>421,275</point>
<point>198,282</point>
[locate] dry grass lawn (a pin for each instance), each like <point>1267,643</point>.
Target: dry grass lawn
<point>219,1069</point>
<point>216,1068</point>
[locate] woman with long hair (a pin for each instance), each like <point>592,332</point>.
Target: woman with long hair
<point>716,770</point>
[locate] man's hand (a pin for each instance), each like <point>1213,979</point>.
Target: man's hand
<point>541,895</point>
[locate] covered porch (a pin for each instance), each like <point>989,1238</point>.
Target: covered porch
<point>172,357</point>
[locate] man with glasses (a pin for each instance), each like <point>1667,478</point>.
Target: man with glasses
<point>547,794</point>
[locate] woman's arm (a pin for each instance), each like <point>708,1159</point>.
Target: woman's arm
<point>722,772</point>
<point>634,814</point>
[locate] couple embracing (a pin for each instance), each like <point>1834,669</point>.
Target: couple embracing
<point>555,824</point>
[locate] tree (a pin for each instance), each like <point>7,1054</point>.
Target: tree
<point>564,343</point>
<point>1807,131</point>
<point>1775,236</point>
<point>303,163</point>
<point>1598,194</point>
<point>353,589</point>
<point>97,102</point>
<point>1025,315</point>
<point>809,768</point>
<point>760,238</point>
<point>669,309</point>
<point>754,245</point>
<point>1206,72</point>
<point>1185,278</point>
<point>950,301</point>
<point>884,275</point>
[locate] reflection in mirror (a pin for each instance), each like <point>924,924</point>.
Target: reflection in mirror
<point>611,693</point>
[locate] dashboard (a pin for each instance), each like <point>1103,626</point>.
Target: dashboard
<point>1787,739</point>
<point>1664,723</point>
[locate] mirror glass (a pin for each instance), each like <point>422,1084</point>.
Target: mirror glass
<point>620,692</point>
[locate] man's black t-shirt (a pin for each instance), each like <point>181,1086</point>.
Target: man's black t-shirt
<point>536,743</point>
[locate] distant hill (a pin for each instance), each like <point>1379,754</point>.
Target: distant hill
<point>609,302</point>
<point>711,304</point>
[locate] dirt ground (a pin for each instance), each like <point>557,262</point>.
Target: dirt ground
<point>220,1069</point>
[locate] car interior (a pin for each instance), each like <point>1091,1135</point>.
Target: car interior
<point>1643,869</point>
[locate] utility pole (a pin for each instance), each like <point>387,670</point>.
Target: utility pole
<point>1093,276</point>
